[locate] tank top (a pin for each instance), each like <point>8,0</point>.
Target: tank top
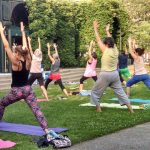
<point>36,65</point>
<point>139,67</point>
<point>90,68</point>
<point>20,78</point>
<point>55,67</point>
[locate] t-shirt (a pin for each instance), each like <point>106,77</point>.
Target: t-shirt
<point>139,67</point>
<point>109,59</point>
<point>36,64</point>
<point>123,61</point>
<point>90,68</point>
<point>55,66</point>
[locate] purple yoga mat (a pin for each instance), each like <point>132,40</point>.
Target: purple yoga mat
<point>26,129</point>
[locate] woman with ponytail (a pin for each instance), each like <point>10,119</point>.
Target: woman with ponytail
<point>140,73</point>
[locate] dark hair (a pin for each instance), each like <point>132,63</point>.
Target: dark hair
<point>140,51</point>
<point>122,52</point>
<point>109,42</point>
<point>21,51</point>
<point>94,55</point>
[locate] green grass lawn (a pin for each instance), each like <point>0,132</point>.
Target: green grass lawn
<point>83,122</point>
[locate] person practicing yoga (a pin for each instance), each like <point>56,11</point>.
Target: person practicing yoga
<point>90,71</point>
<point>20,89</point>
<point>55,74</point>
<point>35,70</point>
<point>140,73</point>
<point>109,76</point>
<point>123,66</point>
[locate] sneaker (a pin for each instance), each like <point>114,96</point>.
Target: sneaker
<point>52,135</point>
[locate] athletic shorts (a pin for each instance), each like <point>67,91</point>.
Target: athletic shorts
<point>125,72</point>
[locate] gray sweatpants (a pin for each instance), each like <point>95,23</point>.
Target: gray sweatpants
<point>108,79</point>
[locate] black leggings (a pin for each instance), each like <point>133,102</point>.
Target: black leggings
<point>85,78</point>
<point>59,82</point>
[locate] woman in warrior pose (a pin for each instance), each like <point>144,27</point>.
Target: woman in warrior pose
<point>35,70</point>
<point>109,76</point>
<point>55,74</point>
<point>20,89</point>
<point>90,71</point>
<point>140,73</point>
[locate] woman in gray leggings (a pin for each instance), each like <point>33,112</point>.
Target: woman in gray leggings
<point>108,76</point>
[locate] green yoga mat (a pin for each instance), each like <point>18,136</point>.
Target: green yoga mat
<point>111,105</point>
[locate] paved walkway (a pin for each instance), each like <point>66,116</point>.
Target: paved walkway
<point>136,138</point>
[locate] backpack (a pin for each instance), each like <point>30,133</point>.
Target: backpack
<point>59,142</point>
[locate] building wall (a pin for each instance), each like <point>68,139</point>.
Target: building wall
<point>6,9</point>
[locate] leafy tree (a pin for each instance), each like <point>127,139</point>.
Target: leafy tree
<point>70,25</point>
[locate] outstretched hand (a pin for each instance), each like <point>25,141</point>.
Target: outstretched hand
<point>107,27</point>
<point>54,45</point>
<point>21,26</point>
<point>48,45</point>
<point>1,27</point>
<point>95,24</point>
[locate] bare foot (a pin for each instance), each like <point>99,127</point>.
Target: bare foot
<point>141,106</point>
<point>98,108</point>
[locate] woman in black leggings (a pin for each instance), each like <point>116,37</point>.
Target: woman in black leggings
<point>55,74</point>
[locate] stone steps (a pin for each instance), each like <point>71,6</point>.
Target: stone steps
<point>68,75</point>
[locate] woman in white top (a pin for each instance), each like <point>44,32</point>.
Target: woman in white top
<point>140,73</point>
<point>35,70</point>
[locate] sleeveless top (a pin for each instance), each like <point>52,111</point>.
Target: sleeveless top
<point>109,60</point>
<point>55,66</point>
<point>90,68</point>
<point>139,67</point>
<point>36,65</point>
<point>20,78</point>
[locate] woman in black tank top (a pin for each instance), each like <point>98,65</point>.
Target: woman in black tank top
<point>21,61</point>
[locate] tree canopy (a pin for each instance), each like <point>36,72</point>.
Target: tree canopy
<point>70,25</point>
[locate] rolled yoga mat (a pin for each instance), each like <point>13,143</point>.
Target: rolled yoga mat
<point>111,105</point>
<point>26,129</point>
<point>134,100</point>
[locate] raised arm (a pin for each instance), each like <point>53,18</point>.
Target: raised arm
<point>49,54</point>
<point>55,47</point>
<point>98,38</point>
<point>24,40</point>
<point>131,48</point>
<point>39,41</point>
<point>107,30</point>
<point>6,45</point>
<point>30,47</point>
<point>90,51</point>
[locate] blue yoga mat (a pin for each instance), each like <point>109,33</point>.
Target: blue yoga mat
<point>85,93</point>
<point>27,129</point>
<point>134,100</point>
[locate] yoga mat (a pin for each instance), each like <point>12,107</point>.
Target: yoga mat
<point>111,105</point>
<point>6,144</point>
<point>134,100</point>
<point>26,129</point>
<point>85,93</point>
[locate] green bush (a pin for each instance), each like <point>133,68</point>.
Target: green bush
<point>71,25</point>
